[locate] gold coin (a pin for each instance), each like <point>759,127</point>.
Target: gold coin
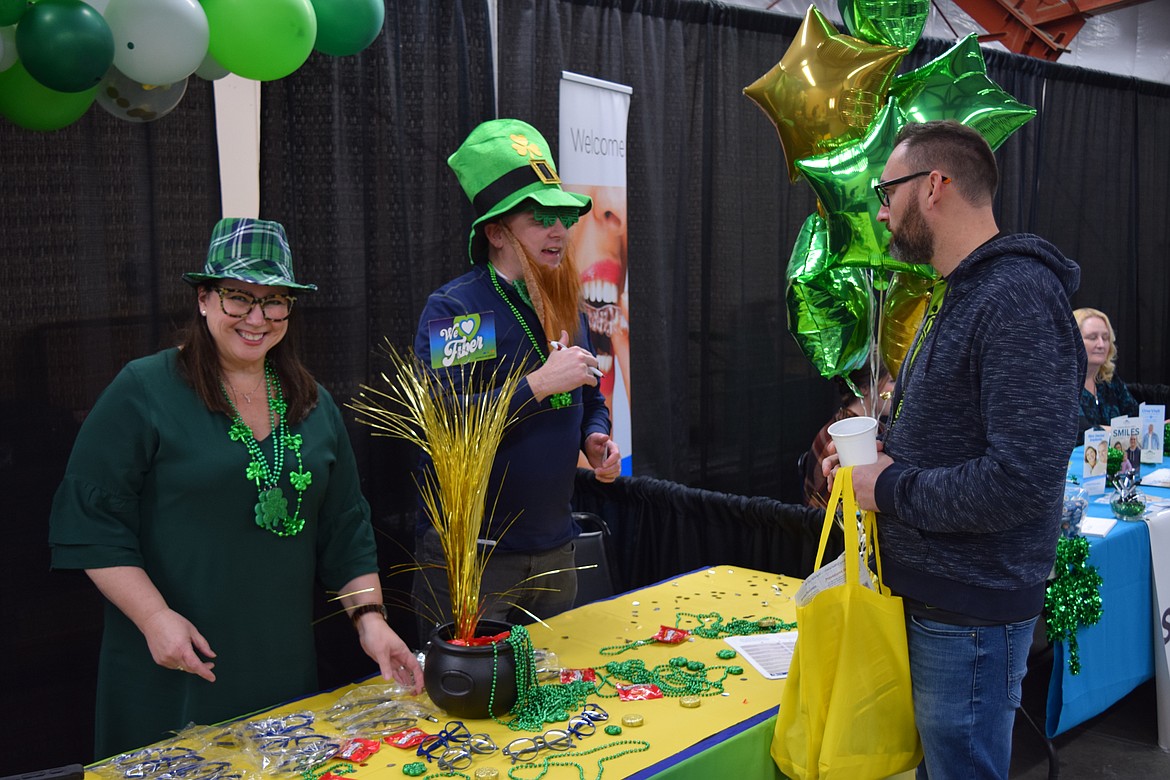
<point>486,773</point>
<point>690,701</point>
<point>632,721</point>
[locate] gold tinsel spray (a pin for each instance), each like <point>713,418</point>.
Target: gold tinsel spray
<point>460,433</point>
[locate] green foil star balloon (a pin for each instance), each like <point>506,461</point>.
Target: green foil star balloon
<point>828,304</point>
<point>889,22</point>
<point>826,89</point>
<point>956,86</point>
<point>843,181</point>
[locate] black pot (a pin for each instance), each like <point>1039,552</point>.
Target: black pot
<point>459,678</point>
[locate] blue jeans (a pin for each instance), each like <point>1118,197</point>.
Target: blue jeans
<point>967,687</point>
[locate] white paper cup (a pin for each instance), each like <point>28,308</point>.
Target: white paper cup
<point>856,440</point>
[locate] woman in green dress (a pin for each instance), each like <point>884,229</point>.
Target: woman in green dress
<point>209,489</point>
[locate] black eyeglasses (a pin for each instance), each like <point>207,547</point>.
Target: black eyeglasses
<point>239,304</point>
<point>882,187</point>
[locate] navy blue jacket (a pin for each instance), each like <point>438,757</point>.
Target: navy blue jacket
<point>536,465</point>
<point>970,508</point>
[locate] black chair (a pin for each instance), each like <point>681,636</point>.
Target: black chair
<point>592,550</point>
<point>1150,393</point>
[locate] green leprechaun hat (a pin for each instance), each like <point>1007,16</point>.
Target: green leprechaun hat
<point>502,163</point>
<point>249,250</point>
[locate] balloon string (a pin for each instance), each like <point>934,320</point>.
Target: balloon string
<point>875,324</point>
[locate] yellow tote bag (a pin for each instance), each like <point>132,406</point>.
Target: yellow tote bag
<point>846,711</point>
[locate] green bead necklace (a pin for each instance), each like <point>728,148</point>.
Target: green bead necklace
<point>634,746</point>
<point>711,625</point>
<point>536,704</point>
<point>319,771</point>
<point>556,400</point>
<point>415,773</point>
<point>271,506</point>
<point>679,677</point>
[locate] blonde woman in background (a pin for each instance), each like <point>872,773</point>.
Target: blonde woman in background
<point>1105,395</point>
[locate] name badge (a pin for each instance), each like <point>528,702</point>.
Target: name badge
<point>464,339</point>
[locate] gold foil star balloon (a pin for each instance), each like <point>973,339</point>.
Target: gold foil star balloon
<point>892,22</point>
<point>956,86</point>
<point>903,308</point>
<point>826,90</point>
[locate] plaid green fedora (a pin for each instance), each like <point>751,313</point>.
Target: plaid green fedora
<point>249,250</point>
<point>502,163</point>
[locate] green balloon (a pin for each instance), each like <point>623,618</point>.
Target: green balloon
<point>262,40</point>
<point>888,22</point>
<point>11,11</point>
<point>26,102</point>
<point>829,305</point>
<point>956,86</point>
<point>65,44</point>
<point>346,27</point>
<point>843,181</point>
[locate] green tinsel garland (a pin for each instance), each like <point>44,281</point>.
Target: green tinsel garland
<point>1073,599</point>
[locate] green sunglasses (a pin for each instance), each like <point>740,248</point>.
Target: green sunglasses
<point>548,215</point>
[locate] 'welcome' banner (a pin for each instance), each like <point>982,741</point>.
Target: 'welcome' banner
<point>592,158</point>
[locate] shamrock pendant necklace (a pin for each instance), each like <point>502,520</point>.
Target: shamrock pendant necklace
<point>271,506</point>
<point>556,400</point>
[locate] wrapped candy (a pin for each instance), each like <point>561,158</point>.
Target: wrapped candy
<point>1076,500</point>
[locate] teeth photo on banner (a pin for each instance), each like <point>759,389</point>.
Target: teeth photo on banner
<point>594,115</point>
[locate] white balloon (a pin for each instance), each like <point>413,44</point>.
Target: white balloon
<point>97,5</point>
<point>7,47</point>
<point>134,102</point>
<point>157,41</point>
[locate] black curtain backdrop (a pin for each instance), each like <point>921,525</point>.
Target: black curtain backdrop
<point>354,162</point>
<point>660,528</point>
<point>101,218</point>
<point>722,398</point>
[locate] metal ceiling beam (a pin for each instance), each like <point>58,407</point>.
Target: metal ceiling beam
<point>1038,28</point>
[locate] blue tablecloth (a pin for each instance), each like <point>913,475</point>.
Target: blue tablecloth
<point>1117,654</point>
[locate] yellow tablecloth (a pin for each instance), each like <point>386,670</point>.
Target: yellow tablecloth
<point>679,737</point>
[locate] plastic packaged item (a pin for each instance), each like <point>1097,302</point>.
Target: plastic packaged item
<point>285,743</point>
<point>1076,500</point>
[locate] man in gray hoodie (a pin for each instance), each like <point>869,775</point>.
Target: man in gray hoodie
<point>970,483</point>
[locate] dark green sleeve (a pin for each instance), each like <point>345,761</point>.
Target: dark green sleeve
<point>345,542</point>
<point>95,518</point>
